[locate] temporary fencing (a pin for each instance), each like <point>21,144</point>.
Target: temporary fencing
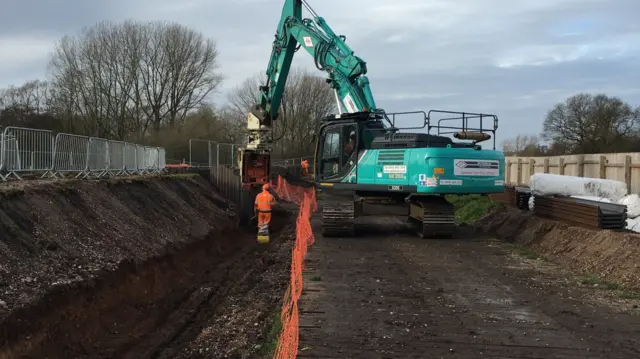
<point>221,161</point>
<point>293,165</point>
<point>306,199</point>
<point>34,151</point>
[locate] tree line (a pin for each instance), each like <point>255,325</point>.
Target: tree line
<point>153,83</point>
<point>582,124</point>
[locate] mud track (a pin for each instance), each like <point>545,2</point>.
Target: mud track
<point>389,294</point>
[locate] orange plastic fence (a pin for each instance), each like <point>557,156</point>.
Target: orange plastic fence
<point>306,198</point>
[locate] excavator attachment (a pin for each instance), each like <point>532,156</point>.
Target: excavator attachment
<point>254,167</point>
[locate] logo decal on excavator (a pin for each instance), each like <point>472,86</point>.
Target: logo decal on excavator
<point>476,167</point>
<point>307,41</point>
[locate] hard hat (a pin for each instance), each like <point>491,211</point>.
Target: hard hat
<point>352,134</point>
<point>265,186</point>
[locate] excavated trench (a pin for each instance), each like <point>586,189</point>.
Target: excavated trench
<point>146,268</point>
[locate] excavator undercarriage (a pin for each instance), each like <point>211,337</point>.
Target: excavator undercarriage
<point>431,216</point>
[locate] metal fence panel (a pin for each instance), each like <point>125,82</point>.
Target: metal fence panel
<point>152,158</point>
<point>36,151</point>
<point>130,156</point>
<point>293,165</point>
<point>27,150</point>
<point>200,153</point>
<point>147,158</point>
<point>226,154</point>
<point>162,158</point>
<point>208,154</point>
<point>71,153</point>
<point>98,159</point>
<point>116,156</point>
<point>140,159</point>
<point>10,158</point>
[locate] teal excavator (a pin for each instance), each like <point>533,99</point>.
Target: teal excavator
<point>363,161</point>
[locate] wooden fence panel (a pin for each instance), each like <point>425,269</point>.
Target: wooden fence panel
<point>624,167</point>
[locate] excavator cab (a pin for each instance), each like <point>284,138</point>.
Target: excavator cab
<point>337,143</point>
<point>340,144</point>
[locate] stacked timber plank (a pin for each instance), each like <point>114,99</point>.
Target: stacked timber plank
<point>522,196</point>
<point>578,211</point>
<point>507,197</point>
<point>583,212</point>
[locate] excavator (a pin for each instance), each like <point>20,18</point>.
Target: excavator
<point>364,161</point>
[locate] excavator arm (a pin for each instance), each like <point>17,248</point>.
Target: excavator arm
<point>346,72</point>
<point>346,76</point>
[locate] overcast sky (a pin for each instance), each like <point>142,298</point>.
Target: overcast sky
<point>511,58</point>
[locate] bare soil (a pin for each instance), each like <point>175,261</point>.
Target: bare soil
<point>610,255</point>
<point>134,268</point>
<point>390,294</point>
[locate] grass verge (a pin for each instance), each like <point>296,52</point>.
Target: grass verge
<point>273,335</point>
<point>599,283</point>
<point>472,207</point>
<point>521,251</point>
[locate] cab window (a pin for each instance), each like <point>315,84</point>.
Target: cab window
<point>330,161</point>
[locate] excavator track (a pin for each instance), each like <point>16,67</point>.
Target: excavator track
<point>338,216</point>
<point>434,216</point>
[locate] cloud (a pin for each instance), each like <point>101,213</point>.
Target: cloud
<point>20,50</point>
<point>23,58</point>
<point>514,59</point>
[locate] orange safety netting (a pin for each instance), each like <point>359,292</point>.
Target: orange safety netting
<point>306,198</point>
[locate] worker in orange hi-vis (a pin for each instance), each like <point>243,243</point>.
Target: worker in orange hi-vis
<point>263,205</point>
<point>305,167</point>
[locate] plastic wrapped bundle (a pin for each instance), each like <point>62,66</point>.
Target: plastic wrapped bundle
<point>545,184</point>
<point>632,202</point>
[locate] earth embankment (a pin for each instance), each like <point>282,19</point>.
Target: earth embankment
<point>131,267</point>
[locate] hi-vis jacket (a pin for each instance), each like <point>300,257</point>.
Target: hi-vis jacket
<point>265,201</point>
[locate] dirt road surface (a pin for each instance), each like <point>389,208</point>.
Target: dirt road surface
<point>390,294</point>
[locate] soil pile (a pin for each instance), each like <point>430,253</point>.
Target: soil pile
<point>611,255</point>
<point>60,232</point>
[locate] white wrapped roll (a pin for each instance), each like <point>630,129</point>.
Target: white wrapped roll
<point>545,184</point>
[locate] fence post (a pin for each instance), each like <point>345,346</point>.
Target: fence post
<point>627,172</point>
<point>580,165</point>
<point>561,166</point>
<point>603,166</point>
<point>218,159</point>
<point>546,165</point>
<point>519,172</point>
<point>532,167</point>
<point>507,172</point>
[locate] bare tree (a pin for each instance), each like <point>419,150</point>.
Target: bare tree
<point>307,98</point>
<point>28,105</point>
<point>521,145</point>
<point>130,78</point>
<point>587,123</point>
